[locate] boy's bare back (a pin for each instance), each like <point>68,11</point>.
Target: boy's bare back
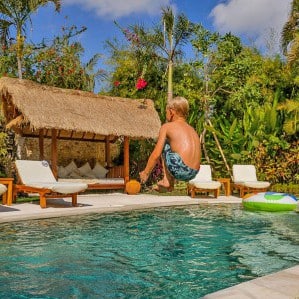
<point>184,140</point>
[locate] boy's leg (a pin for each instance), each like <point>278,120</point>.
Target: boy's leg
<point>168,180</point>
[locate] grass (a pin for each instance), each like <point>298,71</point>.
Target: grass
<point>180,189</point>
<point>23,199</point>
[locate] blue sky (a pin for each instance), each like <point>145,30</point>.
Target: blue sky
<point>258,22</point>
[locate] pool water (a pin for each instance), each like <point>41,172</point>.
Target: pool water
<point>182,252</point>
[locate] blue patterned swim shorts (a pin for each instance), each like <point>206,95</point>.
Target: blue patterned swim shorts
<point>176,166</point>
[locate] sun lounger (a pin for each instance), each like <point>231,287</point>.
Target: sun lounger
<point>245,180</point>
<point>37,177</point>
<point>203,182</point>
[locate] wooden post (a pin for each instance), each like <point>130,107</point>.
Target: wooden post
<point>54,152</point>
<point>41,144</point>
<point>126,159</point>
<point>107,151</point>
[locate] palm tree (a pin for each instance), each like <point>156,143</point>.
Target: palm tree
<point>16,13</point>
<point>176,32</point>
<point>290,34</point>
<point>162,43</point>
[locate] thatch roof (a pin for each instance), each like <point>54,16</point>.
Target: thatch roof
<point>29,107</point>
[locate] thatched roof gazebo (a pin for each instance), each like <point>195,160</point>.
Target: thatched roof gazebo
<point>35,110</point>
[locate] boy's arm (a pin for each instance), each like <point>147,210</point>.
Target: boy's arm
<point>155,155</point>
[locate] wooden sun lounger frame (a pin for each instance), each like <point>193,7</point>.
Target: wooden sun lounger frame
<point>244,189</point>
<point>192,190</point>
<point>44,193</point>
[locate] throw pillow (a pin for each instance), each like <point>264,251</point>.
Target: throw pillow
<point>90,175</point>
<point>75,174</point>
<point>85,169</point>
<point>99,171</point>
<point>62,173</point>
<point>70,167</point>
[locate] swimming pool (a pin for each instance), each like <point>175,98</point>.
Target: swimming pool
<point>161,253</point>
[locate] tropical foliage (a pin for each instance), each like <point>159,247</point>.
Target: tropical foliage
<point>16,14</point>
<point>244,104</point>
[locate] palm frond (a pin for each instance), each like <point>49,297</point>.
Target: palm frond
<point>91,64</point>
<point>293,53</point>
<point>290,28</point>
<point>168,20</point>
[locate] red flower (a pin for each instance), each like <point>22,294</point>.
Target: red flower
<point>141,84</point>
<point>116,83</point>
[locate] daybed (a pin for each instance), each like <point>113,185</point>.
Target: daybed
<point>96,178</point>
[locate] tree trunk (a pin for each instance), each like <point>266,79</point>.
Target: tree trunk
<point>203,144</point>
<point>19,68</point>
<point>170,85</point>
<point>220,149</point>
<point>20,45</point>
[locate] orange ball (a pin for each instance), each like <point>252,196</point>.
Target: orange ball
<point>133,187</point>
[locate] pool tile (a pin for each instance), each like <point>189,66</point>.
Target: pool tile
<point>280,285</point>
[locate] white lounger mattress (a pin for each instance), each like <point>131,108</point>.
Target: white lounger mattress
<point>104,181</point>
<point>60,187</point>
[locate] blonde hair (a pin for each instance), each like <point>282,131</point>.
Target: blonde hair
<point>180,105</point>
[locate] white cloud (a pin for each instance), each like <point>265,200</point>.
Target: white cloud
<point>256,19</point>
<point>120,8</point>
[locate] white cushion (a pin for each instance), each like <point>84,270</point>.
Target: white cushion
<point>34,171</point>
<point>104,181</point>
<point>3,189</point>
<point>207,185</point>
<point>61,187</point>
<point>83,170</point>
<point>257,185</point>
<point>204,174</point>
<point>70,167</point>
<point>243,173</point>
<point>99,171</point>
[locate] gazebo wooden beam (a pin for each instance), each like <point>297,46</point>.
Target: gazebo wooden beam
<point>15,122</point>
<point>107,151</point>
<point>126,159</point>
<point>54,152</point>
<point>65,138</point>
<point>41,144</point>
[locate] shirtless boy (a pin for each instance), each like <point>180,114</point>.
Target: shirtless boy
<point>178,144</point>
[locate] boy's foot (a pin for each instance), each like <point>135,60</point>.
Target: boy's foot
<point>162,189</point>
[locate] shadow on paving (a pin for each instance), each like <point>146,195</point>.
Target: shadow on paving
<point>7,209</point>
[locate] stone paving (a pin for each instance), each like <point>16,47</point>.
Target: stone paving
<point>280,285</point>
